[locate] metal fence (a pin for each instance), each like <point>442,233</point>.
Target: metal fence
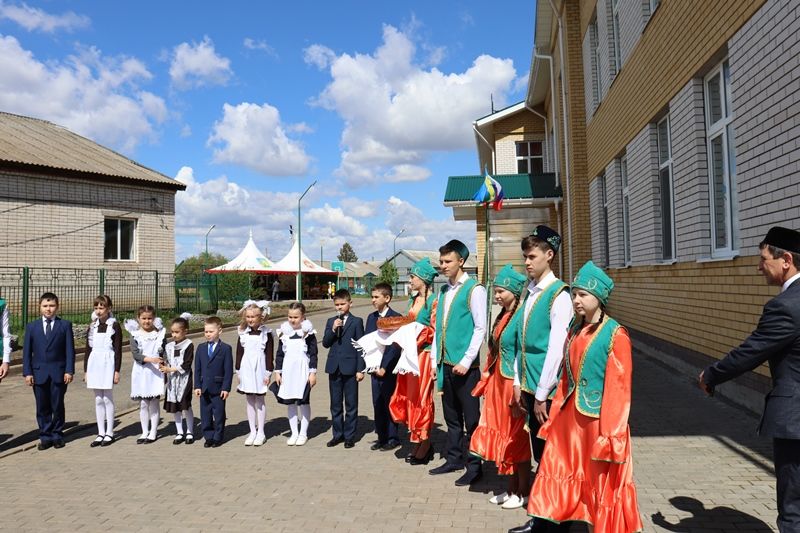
<point>76,289</point>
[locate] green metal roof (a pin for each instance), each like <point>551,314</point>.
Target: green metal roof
<point>515,186</point>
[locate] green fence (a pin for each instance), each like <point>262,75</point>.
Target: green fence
<point>76,289</point>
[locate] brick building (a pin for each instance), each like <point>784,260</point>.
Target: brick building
<point>682,135</point>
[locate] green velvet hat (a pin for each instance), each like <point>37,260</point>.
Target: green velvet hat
<point>593,280</point>
<point>458,247</point>
<point>548,235</point>
<point>510,280</point>
<point>423,269</point>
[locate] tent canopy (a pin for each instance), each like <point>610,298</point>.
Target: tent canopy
<point>249,260</point>
<point>288,265</point>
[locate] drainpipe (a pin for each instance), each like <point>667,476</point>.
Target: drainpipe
<point>554,122</point>
<point>479,134</point>
<point>568,177</point>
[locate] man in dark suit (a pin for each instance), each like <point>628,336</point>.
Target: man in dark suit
<point>776,340</point>
<point>383,379</point>
<point>48,364</point>
<point>213,374</point>
<point>345,368</point>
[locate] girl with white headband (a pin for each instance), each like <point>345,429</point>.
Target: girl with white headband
<point>254,365</point>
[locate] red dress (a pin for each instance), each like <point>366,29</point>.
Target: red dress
<point>412,401</point>
<point>499,437</point>
<point>586,473</point>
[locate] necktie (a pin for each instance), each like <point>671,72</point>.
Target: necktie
<point>210,348</point>
<point>49,327</point>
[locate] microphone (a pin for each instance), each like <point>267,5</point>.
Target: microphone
<point>340,316</point>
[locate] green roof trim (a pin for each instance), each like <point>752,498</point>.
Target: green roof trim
<point>515,186</point>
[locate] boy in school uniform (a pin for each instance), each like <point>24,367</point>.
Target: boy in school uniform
<point>345,368</point>
<point>48,364</point>
<point>383,379</point>
<point>213,375</point>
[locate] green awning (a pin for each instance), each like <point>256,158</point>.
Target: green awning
<point>515,187</point>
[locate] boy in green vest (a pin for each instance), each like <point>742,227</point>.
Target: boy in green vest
<point>546,314</point>
<point>459,332</point>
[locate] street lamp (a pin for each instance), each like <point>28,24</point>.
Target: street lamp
<point>205,258</point>
<point>300,247</point>
<point>394,242</point>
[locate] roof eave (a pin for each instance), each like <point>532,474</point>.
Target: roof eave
<point>44,170</point>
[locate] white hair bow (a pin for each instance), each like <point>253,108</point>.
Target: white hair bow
<point>186,316</point>
<point>262,304</point>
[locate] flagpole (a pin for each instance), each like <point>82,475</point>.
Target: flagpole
<point>489,294</point>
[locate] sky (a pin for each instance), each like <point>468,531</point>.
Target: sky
<point>248,103</point>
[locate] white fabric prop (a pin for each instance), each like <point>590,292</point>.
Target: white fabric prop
<point>306,326</point>
<point>132,325</point>
<point>261,304</point>
<point>372,346</point>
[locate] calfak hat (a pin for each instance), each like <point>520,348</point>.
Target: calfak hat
<point>593,280</point>
<point>548,235</point>
<point>424,270</point>
<point>783,238</point>
<point>510,280</point>
<point>459,247</point>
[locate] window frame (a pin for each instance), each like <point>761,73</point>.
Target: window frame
<point>722,129</point>
<point>615,36</point>
<point>654,5</point>
<point>134,240</point>
<point>604,206</point>
<point>626,215</point>
<point>666,165</point>
<point>529,157</point>
<point>594,44</point>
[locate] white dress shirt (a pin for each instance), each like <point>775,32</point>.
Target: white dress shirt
<point>5,331</point>
<point>560,316</point>
<point>477,308</point>
<point>789,281</point>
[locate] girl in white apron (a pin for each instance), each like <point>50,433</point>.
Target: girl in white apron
<point>177,369</point>
<point>254,365</point>
<point>296,370</point>
<point>147,380</point>
<point>101,366</point>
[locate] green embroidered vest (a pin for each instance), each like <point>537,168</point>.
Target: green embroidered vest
<point>2,308</point>
<point>534,335</point>
<point>424,315</point>
<point>454,332</point>
<point>588,388</point>
<point>509,346</point>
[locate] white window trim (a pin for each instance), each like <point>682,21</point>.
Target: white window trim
<point>661,166</point>
<point>721,128</point>
<point>604,205</point>
<point>615,36</point>
<point>518,158</point>
<point>594,44</point>
<point>134,244</point>
<point>627,258</point>
<point>654,5</point>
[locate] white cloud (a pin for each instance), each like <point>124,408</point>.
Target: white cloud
<point>397,111</point>
<point>198,64</point>
<point>35,19</point>
<point>94,95</point>
<point>260,44</point>
<point>359,208</point>
<point>335,219</point>
<point>186,131</point>
<point>253,136</point>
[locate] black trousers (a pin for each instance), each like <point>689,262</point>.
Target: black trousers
<point>50,408</point>
<point>787,471</point>
<point>212,416</point>
<point>382,390</point>
<point>344,391</point>
<point>537,444</point>
<point>462,412</point>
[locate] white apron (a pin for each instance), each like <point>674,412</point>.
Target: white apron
<point>147,381</point>
<point>176,381</point>
<point>100,366</point>
<point>294,374</point>
<point>253,368</point>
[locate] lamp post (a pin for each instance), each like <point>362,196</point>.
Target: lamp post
<point>300,247</point>
<point>394,243</point>
<point>205,258</point>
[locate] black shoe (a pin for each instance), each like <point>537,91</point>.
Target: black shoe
<point>349,444</point>
<point>149,441</point>
<point>189,439</point>
<point>45,444</point>
<point>216,444</point>
<point>208,444</point>
<point>177,440</point>
<point>469,478</point>
<point>334,442</point>
<point>97,442</point>
<point>391,445</point>
<point>108,440</point>
<point>534,525</point>
<point>446,468</point>
<point>58,444</point>
<point>422,460</point>
<point>376,446</point>
<point>141,441</point>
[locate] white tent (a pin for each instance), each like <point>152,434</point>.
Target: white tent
<point>249,260</point>
<point>289,264</point>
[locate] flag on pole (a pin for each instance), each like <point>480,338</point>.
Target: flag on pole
<point>491,192</point>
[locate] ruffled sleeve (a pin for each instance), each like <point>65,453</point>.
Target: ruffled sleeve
<point>612,445</point>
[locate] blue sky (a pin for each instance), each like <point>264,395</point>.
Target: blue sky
<point>249,102</point>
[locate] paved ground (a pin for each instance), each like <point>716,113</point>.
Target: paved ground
<point>698,468</point>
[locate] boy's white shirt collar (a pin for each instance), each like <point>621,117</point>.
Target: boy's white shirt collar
<point>540,285</point>
<point>461,279</point>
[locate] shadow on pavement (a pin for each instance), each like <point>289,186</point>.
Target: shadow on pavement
<point>703,519</point>
<point>30,437</point>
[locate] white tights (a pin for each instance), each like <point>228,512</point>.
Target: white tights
<point>188,414</point>
<point>149,414</point>
<point>104,410</point>
<point>256,414</point>
<point>305,416</point>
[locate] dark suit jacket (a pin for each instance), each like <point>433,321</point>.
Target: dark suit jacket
<point>215,374</point>
<point>776,340</point>
<point>51,356</point>
<point>392,353</point>
<point>342,355</point>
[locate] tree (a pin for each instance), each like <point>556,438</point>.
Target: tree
<point>195,265</point>
<point>347,254</point>
<point>388,273</point>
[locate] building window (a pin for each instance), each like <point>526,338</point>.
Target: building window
<point>530,158</point>
<point>653,5</point>
<point>615,30</point>
<point>665,185</point>
<point>626,215</point>
<point>595,60</point>
<point>119,239</point>
<point>606,234</point>
<point>721,161</point>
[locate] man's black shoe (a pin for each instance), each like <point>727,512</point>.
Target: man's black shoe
<point>334,442</point>
<point>208,444</point>
<point>216,444</point>
<point>468,479</point>
<point>446,468</point>
<point>349,444</point>
<point>391,445</point>
<point>376,446</point>
<point>537,525</point>
<point>45,444</point>
<point>58,444</point>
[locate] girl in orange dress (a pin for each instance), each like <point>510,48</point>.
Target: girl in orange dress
<point>500,435</point>
<point>586,473</point>
<point>412,401</point>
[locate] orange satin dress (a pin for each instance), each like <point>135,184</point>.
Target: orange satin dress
<point>499,437</point>
<point>412,401</point>
<point>586,473</point>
